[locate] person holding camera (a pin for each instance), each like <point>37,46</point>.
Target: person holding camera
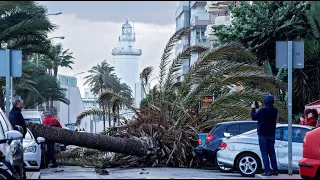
<point>266,127</point>
<point>311,118</point>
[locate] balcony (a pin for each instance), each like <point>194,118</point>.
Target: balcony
<point>195,3</point>
<point>220,20</point>
<point>181,8</point>
<point>126,51</point>
<point>209,34</point>
<point>200,42</point>
<point>217,6</point>
<point>200,18</point>
<point>223,20</point>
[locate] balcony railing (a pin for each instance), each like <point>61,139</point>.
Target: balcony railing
<point>127,51</point>
<point>217,6</point>
<point>200,42</point>
<point>223,20</point>
<point>193,3</point>
<point>198,17</point>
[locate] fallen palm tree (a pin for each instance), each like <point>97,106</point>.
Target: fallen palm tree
<point>163,132</point>
<point>228,71</point>
<point>132,146</point>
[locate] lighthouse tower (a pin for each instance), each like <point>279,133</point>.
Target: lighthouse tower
<point>127,61</point>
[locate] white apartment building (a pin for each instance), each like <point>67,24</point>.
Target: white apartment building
<point>191,13</point>
<point>67,114</point>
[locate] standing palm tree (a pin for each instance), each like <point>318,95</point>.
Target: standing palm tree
<point>24,25</point>
<point>61,58</point>
<point>100,79</point>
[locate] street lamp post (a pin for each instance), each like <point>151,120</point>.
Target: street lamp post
<point>69,97</point>
<point>57,37</point>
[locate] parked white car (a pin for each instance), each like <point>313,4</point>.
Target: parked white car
<point>13,150</point>
<point>243,153</point>
<point>32,151</point>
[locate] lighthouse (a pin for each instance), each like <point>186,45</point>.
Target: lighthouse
<point>127,61</point>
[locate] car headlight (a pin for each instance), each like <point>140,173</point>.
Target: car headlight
<point>32,149</point>
<point>14,149</point>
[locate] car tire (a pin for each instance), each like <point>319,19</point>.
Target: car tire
<point>248,161</point>
<point>222,168</point>
<point>5,175</point>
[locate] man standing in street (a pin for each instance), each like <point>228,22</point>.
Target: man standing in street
<point>16,119</point>
<point>49,120</point>
<point>15,116</point>
<point>266,127</point>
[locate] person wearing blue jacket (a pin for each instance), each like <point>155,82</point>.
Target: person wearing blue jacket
<point>266,127</point>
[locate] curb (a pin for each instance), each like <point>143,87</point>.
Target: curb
<point>280,176</point>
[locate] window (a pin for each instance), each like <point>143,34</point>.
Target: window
<point>297,134</point>
<point>87,95</point>
<point>278,133</point>
<point>247,127</point>
<point>234,129</point>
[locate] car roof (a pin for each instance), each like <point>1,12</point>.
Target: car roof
<point>237,122</point>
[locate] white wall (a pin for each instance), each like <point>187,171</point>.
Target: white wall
<point>127,69</point>
<point>76,106</point>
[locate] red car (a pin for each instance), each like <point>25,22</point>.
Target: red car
<point>309,165</point>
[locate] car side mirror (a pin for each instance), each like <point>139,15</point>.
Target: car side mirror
<point>20,129</point>
<point>227,135</point>
<point>13,135</point>
<point>41,140</point>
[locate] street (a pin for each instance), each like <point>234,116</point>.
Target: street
<point>73,172</point>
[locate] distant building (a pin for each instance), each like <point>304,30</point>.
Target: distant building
<point>67,114</point>
<point>191,13</point>
<point>94,123</point>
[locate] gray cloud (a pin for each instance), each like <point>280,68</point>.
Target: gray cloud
<point>153,12</point>
<point>92,42</point>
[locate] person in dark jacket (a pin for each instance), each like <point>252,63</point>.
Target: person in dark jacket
<point>15,116</point>
<point>266,127</point>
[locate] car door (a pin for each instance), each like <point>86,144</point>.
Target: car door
<point>5,147</point>
<point>298,134</point>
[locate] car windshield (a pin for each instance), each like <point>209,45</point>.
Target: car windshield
<point>33,120</point>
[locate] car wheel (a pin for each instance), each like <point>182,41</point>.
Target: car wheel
<point>223,168</point>
<point>248,165</point>
<point>5,175</point>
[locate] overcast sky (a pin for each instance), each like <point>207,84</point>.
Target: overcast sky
<point>91,30</point>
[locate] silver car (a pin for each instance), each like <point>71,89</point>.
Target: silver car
<point>243,152</point>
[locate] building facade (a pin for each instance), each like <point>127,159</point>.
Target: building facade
<point>219,14</point>
<point>191,13</point>
<point>95,123</point>
<point>67,114</point>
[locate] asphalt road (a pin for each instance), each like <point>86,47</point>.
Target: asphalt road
<point>72,172</point>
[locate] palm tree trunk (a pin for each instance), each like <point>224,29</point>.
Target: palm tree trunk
<point>55,71</point>
<point>104,118</point>
<point>109,117</point>
<point>90,140</point>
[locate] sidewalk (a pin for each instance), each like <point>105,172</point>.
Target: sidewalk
<point>33,175</point>
<point>281,176</point>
